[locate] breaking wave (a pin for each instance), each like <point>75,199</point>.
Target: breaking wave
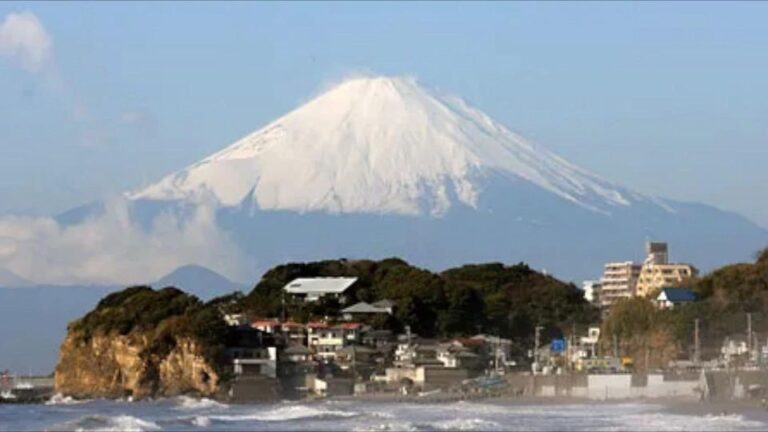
<point>186,413</point>
<point>385,427</point>
<point>59,399</point>
<point>190,403</point>
<point>472,424</point>
<point>287,413</point>
<point>201,421</point>
<point>122,423</point>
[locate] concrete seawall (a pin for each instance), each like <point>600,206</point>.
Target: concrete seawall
<point>719,385</point>
<point>606,386</point>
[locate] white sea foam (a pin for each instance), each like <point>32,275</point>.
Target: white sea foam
<point>190,403</point>
<point>287,413</point>
<point>201,421</point>
<point>59,399</point>
<point>654,421</point>
<point>121,423</point>
<point>467,424</point>
<point>101,415</point>
<point>390,426</point>
<point>129,423</point>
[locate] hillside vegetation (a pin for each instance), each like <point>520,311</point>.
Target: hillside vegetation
<point>490,298</point>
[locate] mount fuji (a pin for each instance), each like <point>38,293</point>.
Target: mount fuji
<point>384,166</point>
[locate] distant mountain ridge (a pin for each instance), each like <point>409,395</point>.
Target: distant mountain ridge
<point>199,281</point>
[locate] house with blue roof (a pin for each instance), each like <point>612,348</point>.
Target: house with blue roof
<point>670,298</point>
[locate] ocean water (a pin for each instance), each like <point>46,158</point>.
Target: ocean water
<point>188,414</point>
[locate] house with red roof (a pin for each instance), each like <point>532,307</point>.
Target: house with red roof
<point>267,325</point>
<point>295,331</point>
<point>326,340</point>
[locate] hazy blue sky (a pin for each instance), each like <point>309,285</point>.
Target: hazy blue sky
<point>666,98</point>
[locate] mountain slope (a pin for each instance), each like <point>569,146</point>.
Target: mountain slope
<point>379,167</point>
<point>198,280</point>
<point>379,145</point>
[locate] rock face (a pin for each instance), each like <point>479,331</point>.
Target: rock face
<point>117,366</point>
<point>143,343</point>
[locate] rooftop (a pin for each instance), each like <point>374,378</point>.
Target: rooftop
<point>349,326</point>
<point>320,285</point>
<point>265,322</point>
<point>317,325</point>
<point>678,295</point>
<point>293,324</point>
<point>364,307</point>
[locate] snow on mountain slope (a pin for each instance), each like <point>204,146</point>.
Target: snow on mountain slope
<point>380,145</point>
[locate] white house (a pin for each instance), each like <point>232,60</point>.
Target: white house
<point>311,289</point>
<point>325,340</point>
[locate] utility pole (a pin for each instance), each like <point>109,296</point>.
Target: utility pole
<point>536,341</point>
<point>696,343</point>
<point>647,357</point>
<point>571,346</point>
<point>615,346</point>
<point>749,332</point>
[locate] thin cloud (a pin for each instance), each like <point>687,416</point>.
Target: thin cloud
<point>142,122</point>
<point>25,42</point>
<point>112,248</point>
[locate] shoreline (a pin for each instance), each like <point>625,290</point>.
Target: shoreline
<point>683,405</point>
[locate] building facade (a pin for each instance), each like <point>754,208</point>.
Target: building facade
<point>654,277</point>
<point>592,291</point>
<point>629,279</point>
<point>658,272</point>
<point>619,281</point>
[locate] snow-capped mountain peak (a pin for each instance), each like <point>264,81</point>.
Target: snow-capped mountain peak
<point>379,145</point>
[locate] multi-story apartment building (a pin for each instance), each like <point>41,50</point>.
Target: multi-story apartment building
<point>658,272</point>
<point>619,281</point>
<point>628,279</point>
<point>654,277</point>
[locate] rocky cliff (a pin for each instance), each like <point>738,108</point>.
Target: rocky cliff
<point>143,343</point>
